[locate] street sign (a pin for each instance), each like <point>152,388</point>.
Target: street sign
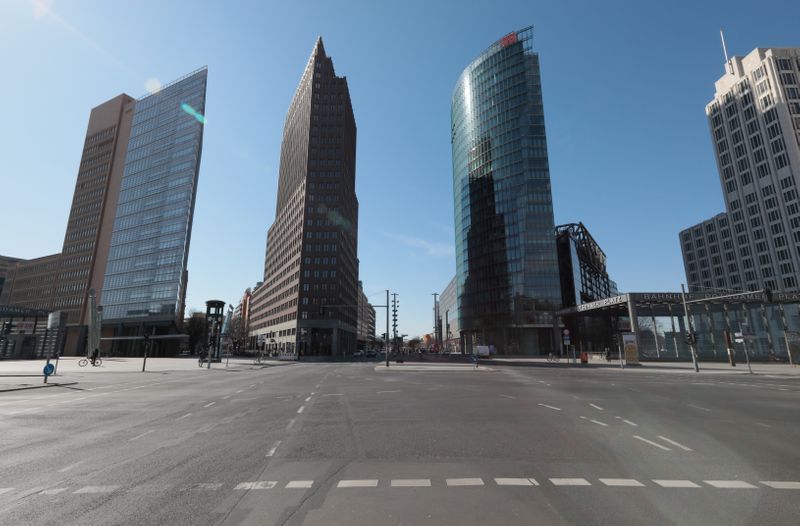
<point>49,369</point>
<point>565,332</point>
<point>737,337</point>
<point>567,340</point>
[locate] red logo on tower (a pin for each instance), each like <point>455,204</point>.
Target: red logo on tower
<point>509,39</point>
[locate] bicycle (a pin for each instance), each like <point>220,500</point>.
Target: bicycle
<point>83,362</point>
<point>553,358</point>
<point>259,359</point>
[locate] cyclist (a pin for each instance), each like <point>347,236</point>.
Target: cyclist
<point>95,354</point>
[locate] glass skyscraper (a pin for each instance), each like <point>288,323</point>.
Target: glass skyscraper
<point>506,262</point>
<point>145,277</point>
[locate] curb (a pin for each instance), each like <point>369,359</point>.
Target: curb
<point>36,387</point>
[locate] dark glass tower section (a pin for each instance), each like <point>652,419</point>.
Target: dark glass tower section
<point>309,302</point>
<point>507,268</point>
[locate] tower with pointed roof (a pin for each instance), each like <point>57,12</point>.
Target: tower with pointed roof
<point>306,306</point>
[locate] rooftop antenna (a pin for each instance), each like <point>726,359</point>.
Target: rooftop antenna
<point>725,50</point>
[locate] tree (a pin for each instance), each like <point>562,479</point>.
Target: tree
<point>237,333</point>
<point>413,343</point>
<point>196,329</point>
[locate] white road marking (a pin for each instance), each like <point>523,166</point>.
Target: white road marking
<point>226,397</point>
<point>259,484</point>
<point>729,484</point>
<point>596,407</point>
<point>137,437</point>
<point>465,482</point>
<point>302,407</point>
<point>595,421</point>
<point>550,407</point>
<point>676,444</point>
<point>307,399</point>
<point>272,451</point>
<point>295,484</point>
<point>184,416</point>
<point>333,394</point>
<point>206,485</point>
<point>290,424</point>
<point>313,393</point>
<point>665,448</point>
<point>675,483</point>
<point>548,385</point>
<point>634,424</point>
<point>570,482</point>
<point>357,483</point>
<point>209,404</point>
<point>52,491</point>
<point>763,425</point>
<point>781,484</point>
<point>515,482</point>
<point>5,490</point>
<point>507,396</point>
<point>381,392</point>
<point>700,408</point>
<point>65,469</point>
<point>411,483</point>
<point>622,482</point>
<point>239,391</point>
<point>96,489</point>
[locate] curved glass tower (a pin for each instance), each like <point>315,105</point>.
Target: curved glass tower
<point>506,262</point>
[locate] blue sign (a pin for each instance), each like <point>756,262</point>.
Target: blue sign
<point>49,369</point>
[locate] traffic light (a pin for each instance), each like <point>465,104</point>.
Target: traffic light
<point>691,339</point>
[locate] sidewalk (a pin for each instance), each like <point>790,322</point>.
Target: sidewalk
<point>760,368</point>
<point>24,374</point>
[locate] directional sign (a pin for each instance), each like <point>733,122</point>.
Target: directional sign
<point>49,369</point>
<point>567,340</point>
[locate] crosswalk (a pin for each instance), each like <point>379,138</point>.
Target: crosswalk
<point>410,483</point>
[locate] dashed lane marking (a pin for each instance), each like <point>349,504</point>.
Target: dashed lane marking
<point>209,404</point>
<point>96,489</point>
<point>515,482</point>
<point>781,484</point>
<point>550,407</point>
<point>763,425</point>
<point>290,424</point>
<point>394,391</point>
<point>729,484</point>
<point>596,407</point>
<point>272,451</point>
<point>410,483</point>
<point>302,407</point>
<point>634,424</point>
<point>5,490</point>
<point>184,416</point>
<point>333,394</point>
<point>675,483</point>
<point>259,484</point>
<point>507,396</point>
<point>67,468</point>
<point>676,444</point>
<point>137,437</point>
<point>633,483</point>
<point>656,444</point>
<point>371,483</point>
<point>52,491</point>
<point>570,482</point>
<point>308,399</point>
<point>599,423</point>
<point>700,408</point>
<point>302,484</point>
<point>465,482</point>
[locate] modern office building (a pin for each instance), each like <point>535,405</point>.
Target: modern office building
<point>506,264</point>
<point>448,319</point>
<point>130,219</point>
<point>7,268</point>
<point>308,303</point>
<point>754,121</point>
<point>145,278</point>
<point>366,320</point>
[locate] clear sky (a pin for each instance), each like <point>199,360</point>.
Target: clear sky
<point>625,85</point>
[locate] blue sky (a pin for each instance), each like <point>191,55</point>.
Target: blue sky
<point>625,85</point>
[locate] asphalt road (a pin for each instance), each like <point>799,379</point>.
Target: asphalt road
<point>356,444</point>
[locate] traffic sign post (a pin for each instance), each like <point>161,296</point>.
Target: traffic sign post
<point>49,369</point>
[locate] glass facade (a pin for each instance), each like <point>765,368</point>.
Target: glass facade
<point>145,275</point>
<point>507,268</point>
